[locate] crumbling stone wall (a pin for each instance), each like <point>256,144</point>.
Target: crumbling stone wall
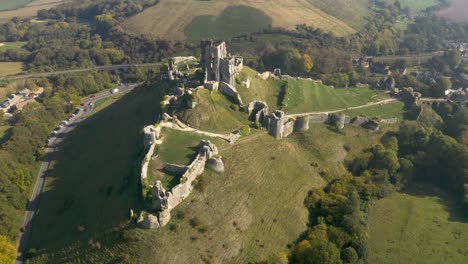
<point>165,200</point>
<point>275,124</point>
<point>258,111</point>
<point>301,124</point>
<point>150,134</point>
<point>288,128</point>
<point>231,92</point>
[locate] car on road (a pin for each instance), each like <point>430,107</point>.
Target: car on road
<point>76,111</point>
<point>114,91</point>
<point>64,123</point>
<point>93,96</point>
<point>90,104</point>
<point>82,104</point>
<point>22,229</point>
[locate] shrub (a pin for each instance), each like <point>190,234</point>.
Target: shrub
<point>245,131</point>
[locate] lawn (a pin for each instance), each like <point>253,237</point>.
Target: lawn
<point>418,227</point>
<point>12,4</point>
<point>94,180</point>
<point>307,96</point>
<point>177,148</point>
<point>10,68</point>
<point>380,111</point>
<point>213,113</point>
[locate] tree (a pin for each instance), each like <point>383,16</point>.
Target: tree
<point>316,252</point>
<point>452,58</point>
<point>349,255</point>
<point>307,63</point>
<point>7,251</point>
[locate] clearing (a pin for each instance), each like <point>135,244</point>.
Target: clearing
<point>416,5</point>
<point>181,19</point>
<point>419,227</point>
<point>10,68</point>
<point>12,45</point>
<point>456,11</point>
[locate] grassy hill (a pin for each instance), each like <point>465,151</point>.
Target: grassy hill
<point>213,113</point>
<point>192,19</point>
<point>418,227</point>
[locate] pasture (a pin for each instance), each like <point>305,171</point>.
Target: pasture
<point>418,227</point>
<point>29,10</point>
<point>10,68</point>
<point>11,5</point>
<point>171,19</point>
<point>12,45</point>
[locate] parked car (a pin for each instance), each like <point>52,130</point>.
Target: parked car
<point>64,123</point>
<point>82,104</point>
<point>114,91</point>
<point>93,96</point>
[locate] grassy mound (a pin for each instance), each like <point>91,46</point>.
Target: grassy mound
<point>182,19</point>
<point>419,227</point>
<point>255,208</point>
<point>213,113</point>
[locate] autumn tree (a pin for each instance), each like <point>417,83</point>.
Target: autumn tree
<point>7,251</point>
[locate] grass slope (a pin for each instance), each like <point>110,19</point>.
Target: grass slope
<point>255,208</point>
<point>233,21</point>
<point>416,5</point>
<point>417,228</point>
<point>353,12</point>
<point>381,111</point>
<point>306,96</point>
<point>93,181</point>
<point>213,113</point>
<point>170,19</point>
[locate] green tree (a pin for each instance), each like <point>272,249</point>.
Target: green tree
<point>349,255</point>
<point>316,252</point>
<point>452,58</point>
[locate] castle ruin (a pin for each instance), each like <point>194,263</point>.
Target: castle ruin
<point>221,69</point>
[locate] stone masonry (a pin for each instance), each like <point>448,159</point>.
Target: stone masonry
<point>221,69</point>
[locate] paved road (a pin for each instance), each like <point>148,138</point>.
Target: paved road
<point>96,68</point>
<point>53,143</point>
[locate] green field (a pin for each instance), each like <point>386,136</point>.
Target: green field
<point>213,113</point>
<point>10,68</point>
<point>12,4</point>
<point>233,21</point>
<point>416,5</point>
<point>352,12</point>
<point>12,45</point>
<point>94,178</point>
<point>306,96</point>
<point>380,111</point>
<point>418,228</point>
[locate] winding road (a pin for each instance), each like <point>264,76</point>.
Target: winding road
<point>24,237</point>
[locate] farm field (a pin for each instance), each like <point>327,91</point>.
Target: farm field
<point>307,96</point>
<point>419,227</point>
<point>10,68</point>
<point>11,5</point>
<point>93,181</point>
<point>353,12</point>
<point>416,5</point>
<point>213,113</point>
<point>174,19</point>
<point>457,11</point>
<point>29,10</point>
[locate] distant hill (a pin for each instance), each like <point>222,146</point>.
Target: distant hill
<point>195,19</point>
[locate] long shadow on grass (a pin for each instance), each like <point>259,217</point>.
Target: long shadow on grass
<point>94,181</point>
<point>451,203</point>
